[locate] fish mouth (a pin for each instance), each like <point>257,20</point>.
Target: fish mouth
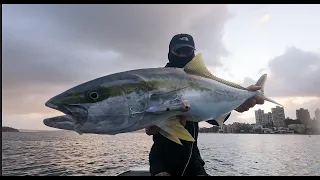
<point>78,113</point>
<point>60,122</point>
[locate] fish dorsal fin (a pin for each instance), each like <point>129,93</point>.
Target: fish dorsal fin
<point>197,67</point>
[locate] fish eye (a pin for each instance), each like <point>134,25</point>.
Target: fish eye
<point>94,95</point>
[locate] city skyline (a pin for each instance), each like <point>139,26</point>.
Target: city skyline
<point>263,118</point>
<point>317,114</point>
<point>312,115</point>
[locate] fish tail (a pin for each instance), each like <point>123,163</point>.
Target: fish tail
<point>261,82</point>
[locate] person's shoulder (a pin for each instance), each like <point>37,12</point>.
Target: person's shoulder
<point>170,65</point>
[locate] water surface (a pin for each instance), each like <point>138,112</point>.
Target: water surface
<point>67,153</point>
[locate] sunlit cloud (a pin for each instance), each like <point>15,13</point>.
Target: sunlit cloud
<point>264,20</point>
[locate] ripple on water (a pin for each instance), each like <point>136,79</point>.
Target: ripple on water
<point>67,153</point>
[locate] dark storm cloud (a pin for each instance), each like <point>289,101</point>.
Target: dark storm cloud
<point>48,48</point>
<point>294,73</point>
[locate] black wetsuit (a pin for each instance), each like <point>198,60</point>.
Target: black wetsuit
<point>167,156</point>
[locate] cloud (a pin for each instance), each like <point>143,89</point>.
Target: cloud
<point>293,80</point>
<point>264,20</point>
<point>294,73</point>
<point>310,103</point>
<point>49,48</point>
<point>258,7</point>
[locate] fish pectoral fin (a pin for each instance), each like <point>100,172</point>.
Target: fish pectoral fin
<point>183,106</point>
<point>173,130</point>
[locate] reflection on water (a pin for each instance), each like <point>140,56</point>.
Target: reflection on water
<point>261,154</point>
<point>67,153</point>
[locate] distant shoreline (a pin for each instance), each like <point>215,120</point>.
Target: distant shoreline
<point>43,131</point>
<point>9,129</point>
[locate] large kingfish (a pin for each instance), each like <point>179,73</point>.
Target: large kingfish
<point>137,99</point>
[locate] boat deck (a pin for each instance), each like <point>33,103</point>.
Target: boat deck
<point>135,173</point>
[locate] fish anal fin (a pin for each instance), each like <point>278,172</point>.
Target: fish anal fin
<point>221,120</point>
<point>76,129</point>
<point>174,128</point>
<point>170,137</point>
<point>197,67</point>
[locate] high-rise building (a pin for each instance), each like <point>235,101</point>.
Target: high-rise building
<point>317,113</point>
<point>268,119</point>
<point>303,115</point>
<point>259,115</point>
<point>265,119</point>
<point>278,116</point>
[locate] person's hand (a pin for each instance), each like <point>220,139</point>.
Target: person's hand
<point>183,120</point>
<point>153,130</point>
<point>252,101</point>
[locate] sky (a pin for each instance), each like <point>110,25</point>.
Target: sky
<point>47,49</point>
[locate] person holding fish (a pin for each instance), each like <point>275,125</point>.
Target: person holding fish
<point>167,158</point>
<point>171,100</point>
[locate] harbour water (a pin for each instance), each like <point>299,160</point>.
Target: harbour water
<point>68,153</point>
